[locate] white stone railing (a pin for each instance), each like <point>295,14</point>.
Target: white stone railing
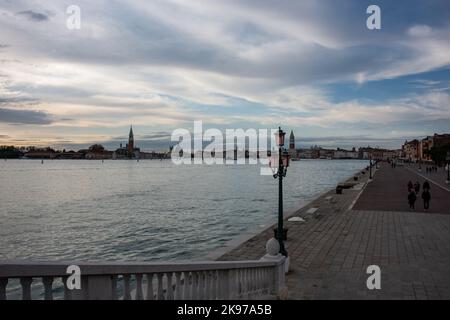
<point>210,280</point>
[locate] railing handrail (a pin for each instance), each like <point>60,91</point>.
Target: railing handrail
<point>17,269</point>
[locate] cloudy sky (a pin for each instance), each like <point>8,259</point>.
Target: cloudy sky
<point>311,66</point>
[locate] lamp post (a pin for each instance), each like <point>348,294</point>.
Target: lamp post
<point>283,164</point>
<point>370,166</point>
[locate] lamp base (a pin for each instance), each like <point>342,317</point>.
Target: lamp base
<point>275,233</point>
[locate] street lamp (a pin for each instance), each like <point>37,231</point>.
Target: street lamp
<point>370,166</point>
<point>283,164</point>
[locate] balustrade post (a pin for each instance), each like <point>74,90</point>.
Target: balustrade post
<point>232,284</point>
<point>194,286</point>
<point>169,277</point>
<point>114,287</point>
<point>26,287</point>
<point>139,293</point>
<point>3,284</point>
<point>48,290</point>
<point>215,285</point>
<point>126,287</point>
<point>201,285</point>
<point>160,295</point>
<point>187,278</point>
<point>150,295</point>
<point>67,291</point>
<point>178,289</point>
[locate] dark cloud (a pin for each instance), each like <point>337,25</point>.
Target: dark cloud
<point>22,116</point>
<point>156,136</point>
<point>34,16</point>
<point>151,136</point>
<point>16,100</point>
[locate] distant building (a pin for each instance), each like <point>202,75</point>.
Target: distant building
<point>36,153</point>
<point>411,150</point>
<point>420,150</point>
<point>306,154</point>
<point>440,140</point>
<point>72,155</point>
<point>424,147</point>
<point>129,151</point>
<point>326,153</point>
<point>378,153</point>
<point>311,153</point>
<point>346,154</point>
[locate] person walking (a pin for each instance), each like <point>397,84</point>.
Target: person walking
<point>426,186</point>
<point>410,186</point>
<point>426,196</point>
<point>412,199</point>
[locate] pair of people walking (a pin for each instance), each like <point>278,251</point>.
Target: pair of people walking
<point>413,193</point>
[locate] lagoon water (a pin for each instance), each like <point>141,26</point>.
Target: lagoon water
<point>144,211</point>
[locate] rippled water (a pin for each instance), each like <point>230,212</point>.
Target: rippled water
<point>143,211</point>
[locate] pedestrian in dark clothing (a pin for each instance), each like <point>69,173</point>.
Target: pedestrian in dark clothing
<point>426,186</point>
<point>410,186</point>
<point>417,187</point>
<point>426,196</point>
<point>412,199</point>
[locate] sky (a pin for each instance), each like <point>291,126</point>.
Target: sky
<point>309,66</point>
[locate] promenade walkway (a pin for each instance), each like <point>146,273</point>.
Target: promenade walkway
<point>389,191</point>
<point>344,234</point>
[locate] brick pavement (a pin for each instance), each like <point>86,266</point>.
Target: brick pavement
<point>330,251</point>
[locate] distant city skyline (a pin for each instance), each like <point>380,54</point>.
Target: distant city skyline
<point>162,141</point>
<point>309,66</point>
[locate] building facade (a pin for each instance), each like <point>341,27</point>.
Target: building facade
<point>411,150</point>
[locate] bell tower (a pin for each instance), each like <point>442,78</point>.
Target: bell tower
<point>292,141</point>
<point>131,140</point>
